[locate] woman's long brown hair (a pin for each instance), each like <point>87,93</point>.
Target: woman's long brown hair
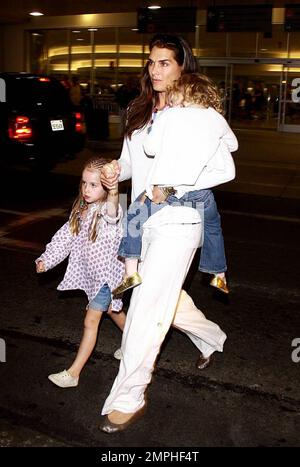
<point>140,110</point>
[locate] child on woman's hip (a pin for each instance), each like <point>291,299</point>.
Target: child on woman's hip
<point>212,256</point>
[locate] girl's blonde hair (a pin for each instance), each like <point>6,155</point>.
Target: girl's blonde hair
<point>197,89</point>
<point>80,205</point>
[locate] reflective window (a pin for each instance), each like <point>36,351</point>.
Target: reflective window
<point>294,45</point>
<point>211,44</point>
<point>38,52</point>
<point>58,53</point>
<point>81,50</point>
<point>105,61</point>
<point>242,44</point>
<point>274,46</point>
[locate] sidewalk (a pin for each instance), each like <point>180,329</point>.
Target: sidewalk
<point>14,434</point>
<point>268,164</point>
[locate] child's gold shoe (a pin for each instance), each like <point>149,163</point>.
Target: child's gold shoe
<point>128,283</point>
<point>220,284</point>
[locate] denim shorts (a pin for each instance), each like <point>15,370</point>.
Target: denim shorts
<point>102,300</point>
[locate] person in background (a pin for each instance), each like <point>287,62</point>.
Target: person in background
<point>75,92</point>
<point>66,82</point>
<point>124,95</point>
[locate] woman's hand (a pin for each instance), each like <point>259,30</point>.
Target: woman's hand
<point>110,174</point>
<point>40,267</point>
<point>157,195</point>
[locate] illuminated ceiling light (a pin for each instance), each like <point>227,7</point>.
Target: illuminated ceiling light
<point>263,50</point>
<point>154,7</point>
<point>80,39</point>
<point>134,29</point>
<point>76,32</point>
<point>92,29</point>
<point>36,13</point>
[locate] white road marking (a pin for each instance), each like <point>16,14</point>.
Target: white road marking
<point>32,217</point>
<point>17,244</point>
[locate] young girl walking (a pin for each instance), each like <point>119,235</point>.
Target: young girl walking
<point>191,143</point>
<point>91,239</point>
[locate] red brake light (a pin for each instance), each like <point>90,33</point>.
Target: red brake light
<point>44,80</point>
<point>79,124</point>
<point>20,128</point>
<point>22,119</point>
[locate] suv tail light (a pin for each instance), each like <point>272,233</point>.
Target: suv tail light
<point>20,128</point>
<point>79,122</point>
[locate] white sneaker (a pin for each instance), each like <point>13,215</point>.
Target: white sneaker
<point>64,379</point>
<point>118,354</point>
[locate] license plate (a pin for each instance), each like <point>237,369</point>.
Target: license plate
<point>57,125</point>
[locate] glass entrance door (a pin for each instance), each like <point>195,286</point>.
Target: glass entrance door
<point>251,91</point>
<point>255,95</point>
<point>221,74</point>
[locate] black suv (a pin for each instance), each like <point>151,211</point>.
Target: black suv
<point>38,123</point>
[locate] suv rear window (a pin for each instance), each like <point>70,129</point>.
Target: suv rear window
<point>35,94</point>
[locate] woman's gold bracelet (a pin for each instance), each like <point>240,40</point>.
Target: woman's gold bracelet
<point>113,193</point>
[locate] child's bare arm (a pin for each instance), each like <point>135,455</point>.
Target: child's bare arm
<point>113,201</point>
<point>110,172</point>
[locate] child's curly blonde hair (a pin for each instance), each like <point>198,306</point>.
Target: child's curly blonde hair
<point>80,205</point>
<point>197,88</point>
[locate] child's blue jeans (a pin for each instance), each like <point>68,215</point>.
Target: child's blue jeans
<point>212,257</point>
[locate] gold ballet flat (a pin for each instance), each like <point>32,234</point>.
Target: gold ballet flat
<point>220,284</point>
<point>110,428</point>
<point>128,283</point>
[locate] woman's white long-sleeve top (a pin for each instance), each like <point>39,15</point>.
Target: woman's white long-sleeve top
<point>192,148</point>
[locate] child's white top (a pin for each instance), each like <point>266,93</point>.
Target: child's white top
<point>192,148</point>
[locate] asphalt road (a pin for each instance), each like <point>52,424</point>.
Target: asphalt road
<point>249,396</point>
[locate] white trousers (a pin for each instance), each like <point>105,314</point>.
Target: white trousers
<point>168,251</point>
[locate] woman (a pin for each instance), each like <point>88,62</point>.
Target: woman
<point>170,240</point>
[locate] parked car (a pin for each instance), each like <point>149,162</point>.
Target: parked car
<point>38,123</point>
